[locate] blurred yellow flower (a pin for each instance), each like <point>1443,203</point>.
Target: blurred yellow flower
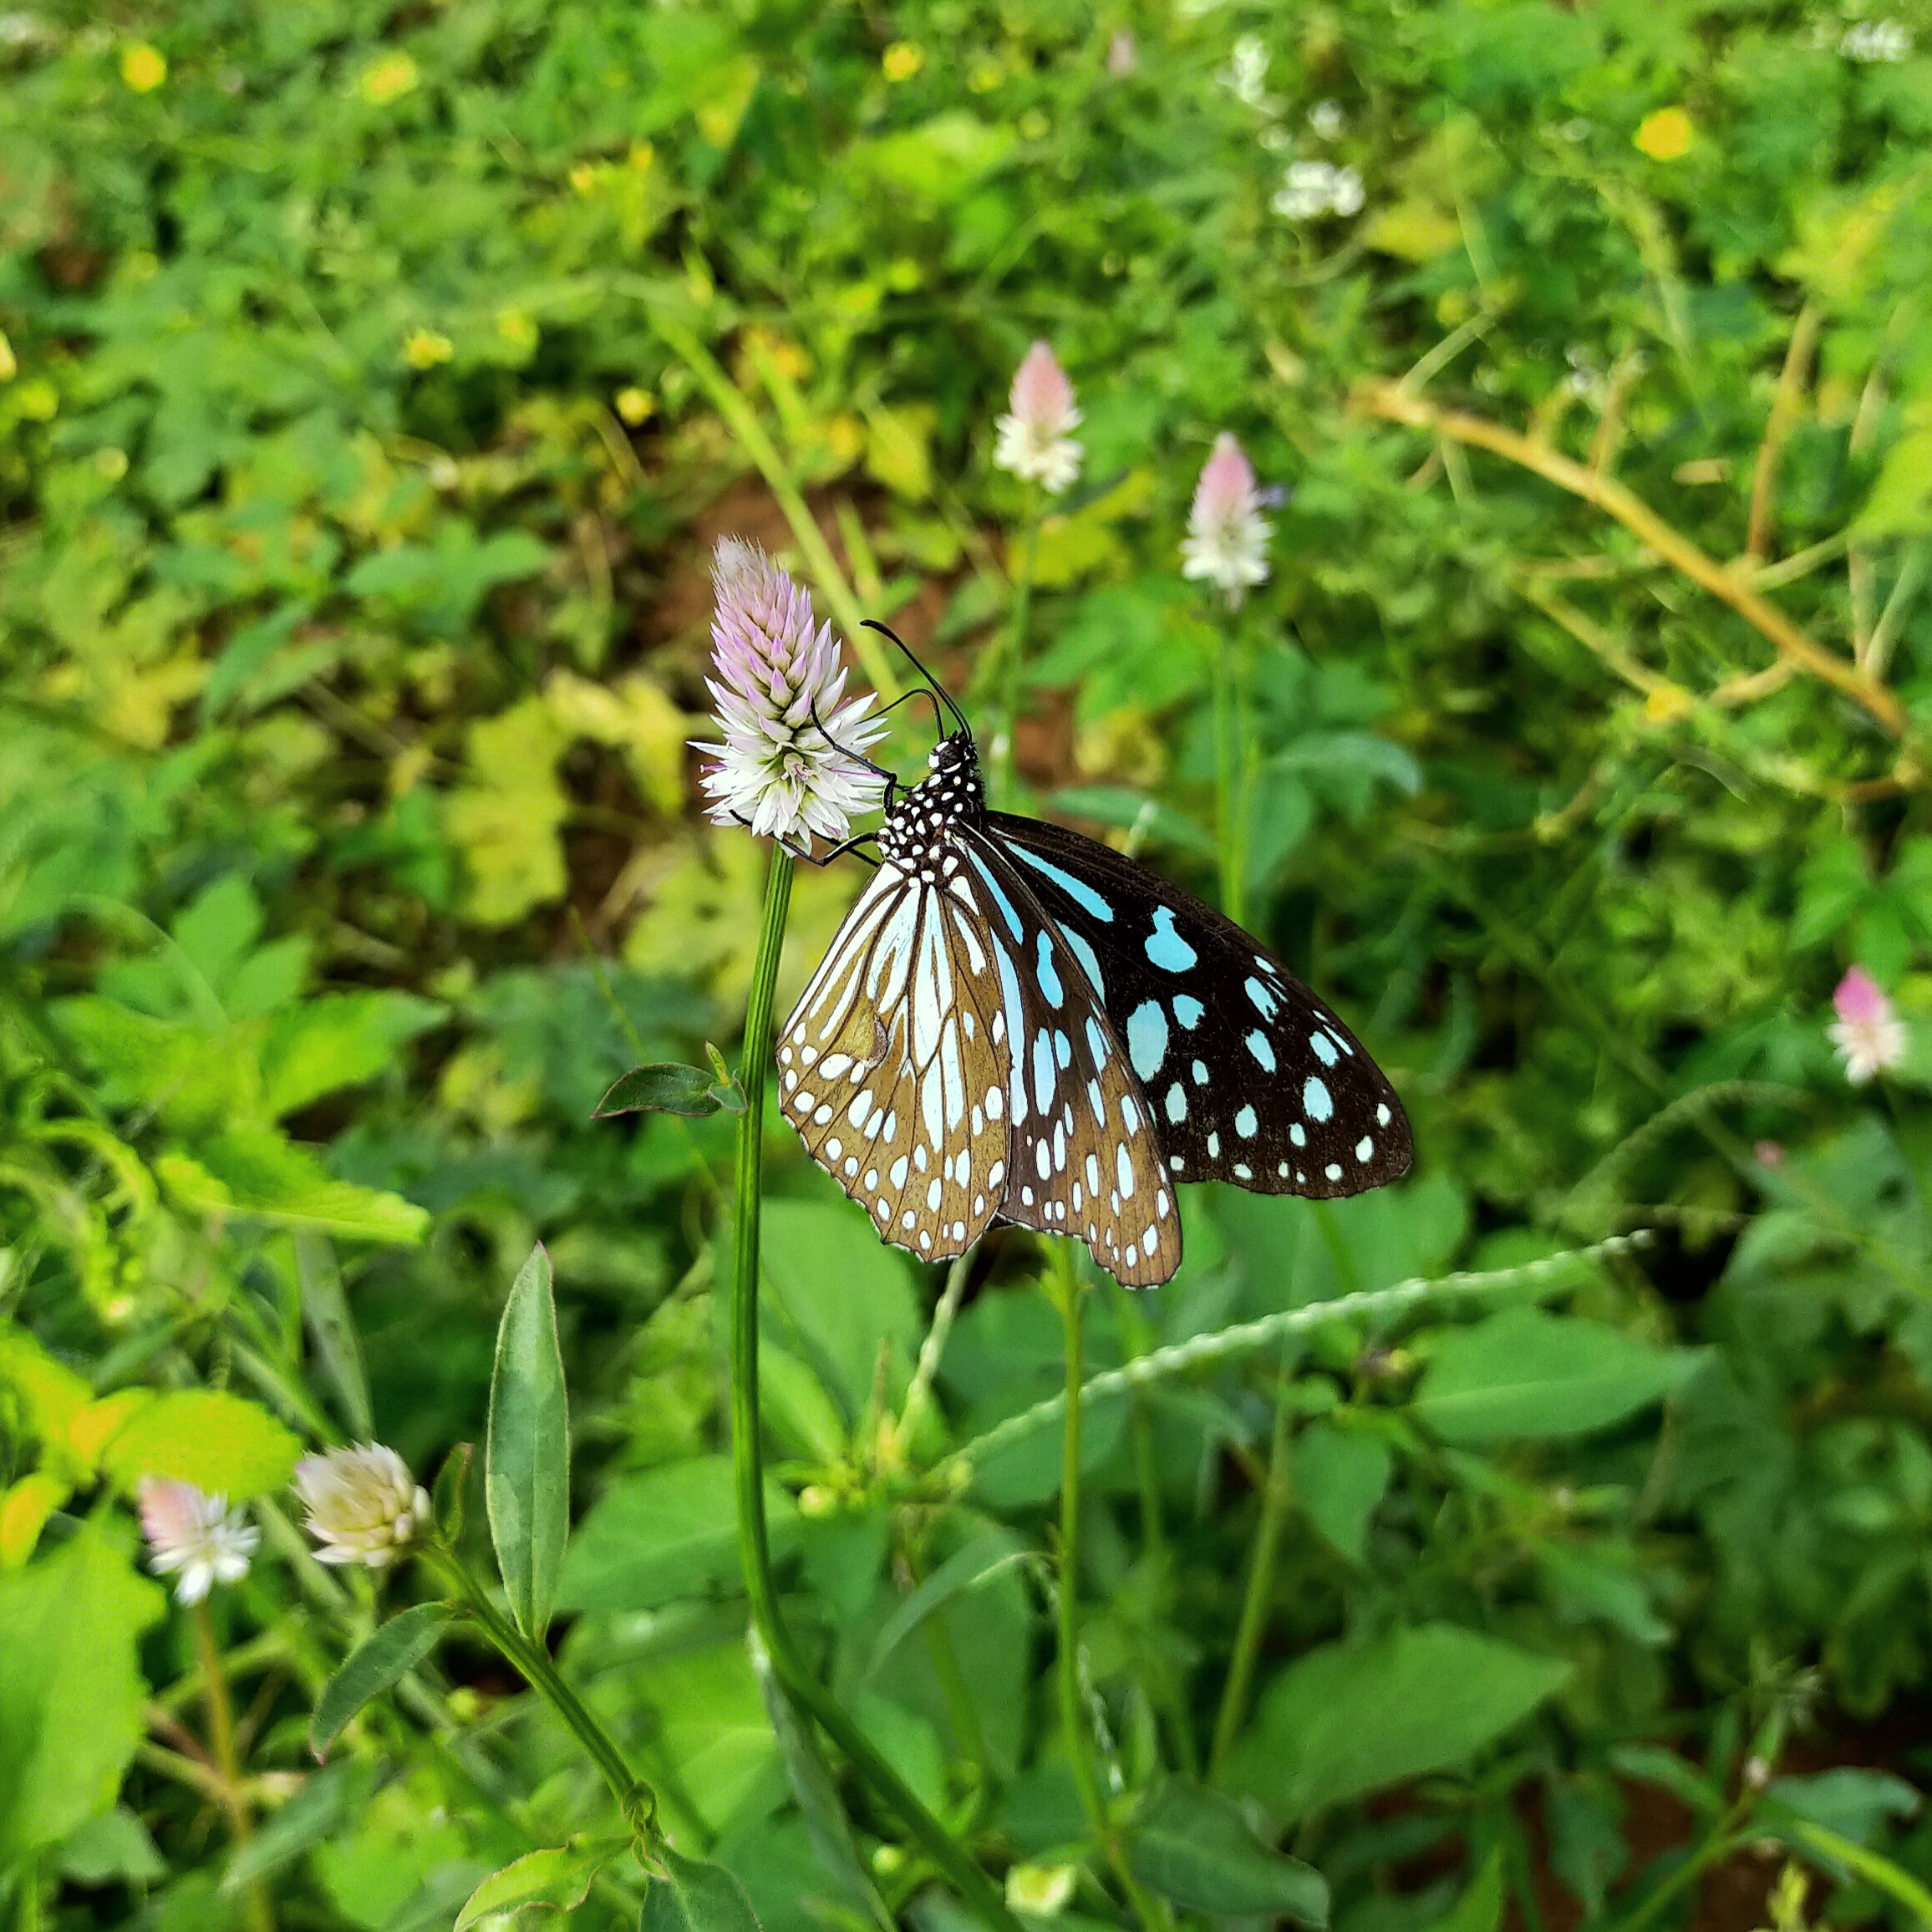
<point>111,462</point>
<point>516,328</point>
<point>635,405</point>
<point>1043,1889</point>
<point>424,349</point>
<point>9,368</point>
<point>142,68</point>
<point>389,79</point>
<point>1666,705</point>
<point>1664,135</point>
<point>39,401</point>
<point>902,59</point>
<point>583,177</point>
<point>1034,124</point>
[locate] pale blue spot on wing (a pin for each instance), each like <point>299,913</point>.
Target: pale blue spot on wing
<point>1043,1070</point>
<point>1177,1103</point>
<point>1049,985</point>
<point>1258,1045</point>
<point>1298,1134</point>
<point>1062,1048</point>
<point>1325,1049</point>
<point>1148,1038</point>
<point>1166,946</point>
<point>1246,1123</point>
<point>1264,997</point>
<point>1315,1101</point>
<point>1097,1043</point>
<point>1000,899</point>
<point>1084,896</point>
<point>1089,963</point>
<point>1187,1011</point>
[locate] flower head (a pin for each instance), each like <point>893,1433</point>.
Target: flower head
<point>1870,1036</point>
<point>1311,190</point>
<point>363,1505</point>
<point>1227,540</point>
<point>786,768</point>
<point>1123,54</point>
<point>196,1536</point>
<point>1033,440</point>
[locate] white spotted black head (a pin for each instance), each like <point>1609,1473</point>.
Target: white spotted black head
<point>918,828</point>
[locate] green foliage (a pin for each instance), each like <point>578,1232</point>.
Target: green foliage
<point>371,386</point>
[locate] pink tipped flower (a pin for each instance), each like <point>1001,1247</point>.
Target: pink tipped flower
<point>194,1536</point>
<point>363,1505</point>
<point>1227,540</point>
<point>1123,56</point>
<point>789,767</point>
<point>1870,1036</point>
<point>1033,440</point>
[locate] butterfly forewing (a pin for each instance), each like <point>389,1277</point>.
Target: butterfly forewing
<point>1249,1077</point>
<point>890,1068</point>
<point>1084,1159</point>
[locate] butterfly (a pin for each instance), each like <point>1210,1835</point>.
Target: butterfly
<point>1017,1023</point>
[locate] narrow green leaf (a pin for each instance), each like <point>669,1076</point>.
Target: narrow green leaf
<point>560,1878</point>
<point>1873,1867</point>
<point>965,1570</point>
<point>527,1453</point>
<point>666,1089</point>
<point>332,1330</point>
<point>696,1896</point>
<point>447,1502</point>
<point>390,1655</point>
<point>1480,1908</point>
<point>319,1811</point>
<point>1193,1845</point>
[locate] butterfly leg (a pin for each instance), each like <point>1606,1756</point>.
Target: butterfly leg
<point>824,859</point>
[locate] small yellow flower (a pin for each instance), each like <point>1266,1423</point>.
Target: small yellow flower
<point>425,348</point>
<point>389,79</point>
<point>1666,705</point>
<point>635,405</point>
<point>1664,135</point>
<point>516,328</point>
<point>985,75</point>
<point>643,157</point>
<point>584,176</point>
<point>902,59</point>
<point>142,68</point>
<point>9,368</point>
<point>38,400</point>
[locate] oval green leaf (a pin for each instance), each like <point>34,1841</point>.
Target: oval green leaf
<point>1193,1845</point>
<point>390,1655</point>
<point>560,1878</point>
<point>224,1444</point>
<point>526,1454</point>
<point>694,1895</point>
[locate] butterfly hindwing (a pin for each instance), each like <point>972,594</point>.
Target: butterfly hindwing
<point>1249,1077</point>
<point>1086,1159</point>
<point>891,1070</point>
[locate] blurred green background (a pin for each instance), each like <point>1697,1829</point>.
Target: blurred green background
<point>373,382</point>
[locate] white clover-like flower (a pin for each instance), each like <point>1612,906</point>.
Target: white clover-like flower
<point>790,766</point>
<point>363,1505</point>
<point>1327,119</point>
<point>1246,74</point>
<point>1035,439</point>
<point>1227,539</point>
<point>194,1536</point>
<point>1311,190</point>
<point>1876,41</point>
<point>1870,1037</point>
<point>1123,54</point>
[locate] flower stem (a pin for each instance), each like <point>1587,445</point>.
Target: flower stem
<point>1231,779</point>
<point>747,1449</point>
<point>1253,1621</point>
<point>635,1799</point>
<point>1012,661</point>
<point>227,1761</point>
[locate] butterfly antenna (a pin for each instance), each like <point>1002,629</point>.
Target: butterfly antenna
<point>858,758</point>
<point>938,716</point>
<point>885,631</point>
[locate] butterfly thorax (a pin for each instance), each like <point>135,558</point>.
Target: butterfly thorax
<point>917,836</point>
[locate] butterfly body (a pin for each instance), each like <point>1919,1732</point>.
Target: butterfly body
<point>1016,1022</point>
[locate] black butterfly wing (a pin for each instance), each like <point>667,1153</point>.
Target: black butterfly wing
<point>1249,1076</point>
<point>1084,1159</point>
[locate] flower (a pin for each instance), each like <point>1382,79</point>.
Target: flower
<point>1313,189</point>
<point>143,68</point>
<point>364,1505</point>
<point>425,347</point>
<point>1870,1036</point>
<point>1876,40</point>
<point>389,79</point>
<point>1227,540</point>
<point>195,1534</point>
<point>901,60</point>
<point>1123,54</point>
<point>1327,119</point>
<point>790,763</point>
<point>1033,442</point>
<point>1664,135</point>
<point>1041,1890</point>
<point>1246,77</point>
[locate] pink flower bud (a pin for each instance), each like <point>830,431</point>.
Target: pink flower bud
<point>1227,540</point>
<point>1033,440</point>
<point>1870,1036</point>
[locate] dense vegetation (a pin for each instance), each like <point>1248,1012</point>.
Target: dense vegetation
<point>372,383</point>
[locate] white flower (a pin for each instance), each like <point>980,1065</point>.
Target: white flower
<point>1246,76</point>
<point>1227,540</point>
<point>1123,54</point>
<point>1327,119</point>
<point>1312,188</point>
<point>196,1535</point>
<point>1876,40</point>
<point>1033,440</point>
<point>1043,1890</point>
<point>789,767</point>
<point>363,1505</point>
<point>1870,1036</point>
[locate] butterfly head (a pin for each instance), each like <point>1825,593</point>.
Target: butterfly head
<point>920,824</point>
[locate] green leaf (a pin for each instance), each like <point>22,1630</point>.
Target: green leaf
<point>670,1532</point>
<point>260,1175</point>
<point>224,1444</point>
<point>395,1649</point>
<point>326,1803</point>
<point>71,1690</point>
<point>560,1878</point>
<point>1854,1802</point>
<point>336,1039</point>
<point>696,1896</point>
<point>526,1454</point>
<point>1340,1475</point>
<point>665,1088</point>
<point>967,1567</point>
<point>1134,812</point>
<point>332,1329</point>
<point>1525,1373</point>
<point>1193,1845</point>
<point>448,1500</point>
<point>1480,1908</point>
<point>1350,1718</point>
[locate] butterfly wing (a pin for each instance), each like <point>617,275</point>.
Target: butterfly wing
<point>1251,1078</point>
<point>1086,1159</point>
<point>892,1066</point>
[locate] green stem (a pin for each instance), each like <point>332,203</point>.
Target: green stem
<point>747,1448</point>
<point>1012,661</point>
<point>1073,1721</point>
<point>1230,780</point>
<point>1260,1590</point>
<point>635,1799</point>
<point>227,1760</point>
